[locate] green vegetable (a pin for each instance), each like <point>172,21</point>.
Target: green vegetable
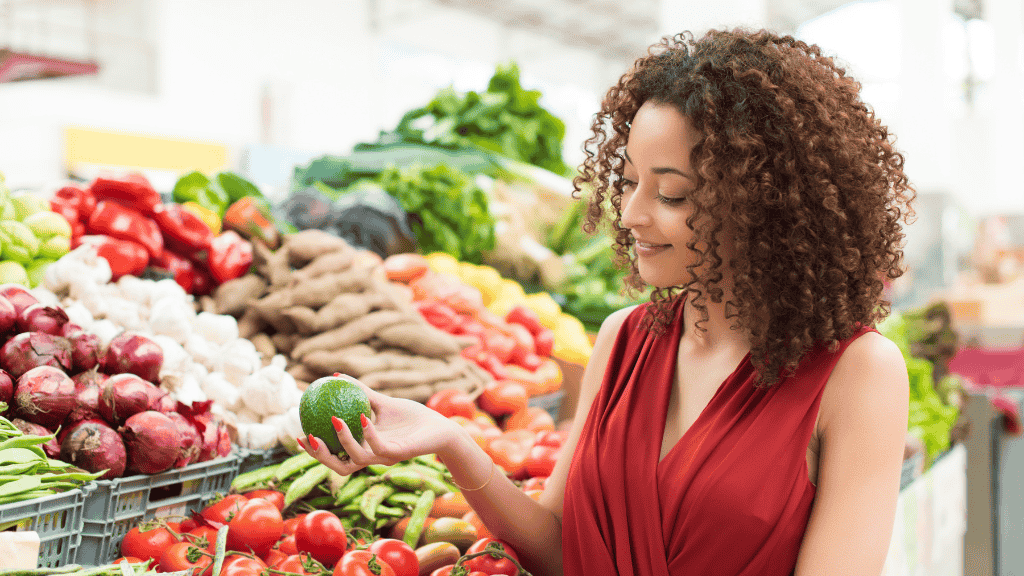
<point>418,518</point>
<point>301,487</point>
<point>26,204</point>
<point>372,498</point>
<point>293,465</point>
<point>196,187</point>
<point>19,242</point>
<point>13,273</point>
<point>255,477</point>
<point>236,187</point>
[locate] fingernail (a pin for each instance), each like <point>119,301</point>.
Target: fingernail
<point>313,443</point>
<point>299,441</point>
<point>337,373</point>
<point>336,422</point>
<point>363,420</point>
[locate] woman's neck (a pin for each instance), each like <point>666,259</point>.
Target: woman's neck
<point>717,332</point>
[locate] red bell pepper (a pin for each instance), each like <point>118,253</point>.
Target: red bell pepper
<point>230,256</point>
<point>124,256</point>
<point>439,315</point>
<point>72,198</point>
<point>184,232</point>
<point>202,283</point>
<point>113,219</point>
<point>183,270</point>
<point>526,317</point>
<point>133,191</point>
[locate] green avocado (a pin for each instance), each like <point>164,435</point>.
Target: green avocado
<point>333,396</point>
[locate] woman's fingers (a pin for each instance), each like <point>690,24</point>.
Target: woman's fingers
<point>318,449</point>
<point>373,439</point>
<point>358,453</point>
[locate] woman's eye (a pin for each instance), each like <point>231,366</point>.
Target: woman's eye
<point>671,201</point>
<point>628,184</point>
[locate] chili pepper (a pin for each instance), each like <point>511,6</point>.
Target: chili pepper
<point>209,217</point>
<point>133,191</point>
<point>251,218</point>
<point>182,269</point>
<point>82,201</point>
<point>230,256</point>
<point>124,256</point>
<point>184,232</point>
<point>119,221</point>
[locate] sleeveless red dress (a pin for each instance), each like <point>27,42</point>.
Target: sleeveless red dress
<point>731,498</point>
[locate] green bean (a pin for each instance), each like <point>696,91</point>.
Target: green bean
<point>20,469</point>
<point>18,455</point>
<point>29,495</point>
<point>391,511</point>
<point>403,499</point>
<point>254,477</point>
<point>294,465</point>
<point>430,460</point>
<point>411,479</point>
<point>20,485</point>
<point>418,518</point>
<point>378,469</point>
<point>80,476</point>
<point>427,471</point>
<point>221,545</point>
<point>321,501</point>
<point>301,487</point>
<point>372,498</point>
<point>354,487</point>
<point>25,441</point>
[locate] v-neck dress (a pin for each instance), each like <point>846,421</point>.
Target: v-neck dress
<point>731,498</point>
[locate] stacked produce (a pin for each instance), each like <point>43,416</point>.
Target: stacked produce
<point>31,237</point>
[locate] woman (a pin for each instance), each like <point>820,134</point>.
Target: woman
<point>748,420</point>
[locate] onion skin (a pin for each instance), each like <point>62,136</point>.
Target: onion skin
<point>51,447</point>
<point>94,446</point>
<point>6,387</point>
<point>18,296</point>
<point>31,349</point>
<point>8,315</point>
<point>191,443</point>
<point>152,442</point>
<point>86,350</point>
<point>45,395</point>
<point>88,386</point>
<point>125,395</point>
<point>134,354</point>
<point>41,318</point>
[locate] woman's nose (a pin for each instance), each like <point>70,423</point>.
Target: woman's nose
<point>633,211</point>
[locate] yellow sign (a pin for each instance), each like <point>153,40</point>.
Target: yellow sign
<point>104,148</point>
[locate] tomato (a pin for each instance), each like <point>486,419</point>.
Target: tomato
<point>443,570</point>
<point>322,535</point>
<point>256,527</point>
<point>129,560</point>
<point>295,563</point>
<point>541,460</point>
<point>185,556</point>
<point>534,483</point>
<point>474,520</point>
<point>524,342</point>
<point>499,344</point>
<point>532,418</point>
<point>188,525</point>
<point>291,523</point>
<point>489,564</point>
<point>405,267</point>
<point>287,545</point>
<point>544,342</point>
<point>276,498</point>
<point>503,397</point>
<point>511,449</point>
<point>237,565</point>
<point>554,438</point>
<point>399,555</point>
<point>147,545</point>
<point>222,510</point>
<point>203,537</point>
<point>525,317</point>
<point>358,563</point>
<point>452,402</point>
<point>274,556</point>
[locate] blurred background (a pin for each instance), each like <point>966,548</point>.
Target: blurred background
<point>263,88</point>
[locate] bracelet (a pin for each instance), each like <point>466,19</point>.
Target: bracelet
<point>490,475</point>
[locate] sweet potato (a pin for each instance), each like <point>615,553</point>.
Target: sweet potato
<point>420,338</point>
<point>272,264</point>
<point>321,290</point>
<point>233,296</point>
<point>419,393</point>
<point>302,317</point>
<point>402,378</point>
<point>271,309</point>
<point>306,245</point>
<point>250,324</point>
<point>340,310</point>
<point>359,366</point>
<point>285,342</point>
<point>264,345</point>
<point>328,263</point>
<point>351,360</point>
<point>300,372</point>
<point>355,332</point>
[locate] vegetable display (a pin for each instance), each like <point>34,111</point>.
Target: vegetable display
<point>31,236</point>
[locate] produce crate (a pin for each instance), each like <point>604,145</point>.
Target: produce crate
<point>57,519</point>
<point>252,459</point>
<point>116,506</point>
<point>550,402</point>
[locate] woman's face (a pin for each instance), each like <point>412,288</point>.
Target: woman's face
<point>658,180</point>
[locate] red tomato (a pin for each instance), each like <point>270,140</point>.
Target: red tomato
<point>362,563</point>
<point>322,535</point>
<point>235,565</point>
<point>452,402</point>
<point>222,510</point>
<point>405,267</point>
<point>503,397</point>
<point>276,498</point>
<point>129,560</point>
<point>489,564</point>
<point>287,545</point>
<point>399,555</point>
<point>544,342</point>
<point>525,317</point>
<point>511,449</point>
<point>532,418</point>
<point>553,438</point>
<point>203,537</point>
<point>274,556</point>
<point>534,483</point>
<point>291,523</point>
<point>147,545</point>
<point>295,563</point>
<point>188,525</point>
<point>443,570</point>
<point>256,527</point>
<point>541,460</point>
<point>184,556</point>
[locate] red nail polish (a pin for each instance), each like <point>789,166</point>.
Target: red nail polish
<point>313,443</point>
<point>336,422</point>
<point>337,373</point>
<point>299,441</point>
<point>363,420</point>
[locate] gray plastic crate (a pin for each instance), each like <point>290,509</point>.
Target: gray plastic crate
<point>251,459</point>
<point>116,506</point>
<point>57,519</point>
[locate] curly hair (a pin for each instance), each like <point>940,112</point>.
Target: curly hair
<point>795,163</point>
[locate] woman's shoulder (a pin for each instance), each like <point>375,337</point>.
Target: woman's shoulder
<point>869,378</point>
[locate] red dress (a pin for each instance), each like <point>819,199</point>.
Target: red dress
<point>731,498</point>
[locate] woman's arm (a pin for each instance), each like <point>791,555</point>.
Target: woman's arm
<point>863,423</point>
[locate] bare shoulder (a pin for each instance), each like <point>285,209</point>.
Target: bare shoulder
<point>868,382</point>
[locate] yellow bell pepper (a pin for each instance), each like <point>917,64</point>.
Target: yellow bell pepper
<point>443,263</point>
<point>546,308</point>
<point>209,217</point>
<point>571,341</point>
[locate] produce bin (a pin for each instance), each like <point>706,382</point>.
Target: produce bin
<point>57,519</point>
<point>116,506</point>
<point>550,402</point>
<point>252,459</point>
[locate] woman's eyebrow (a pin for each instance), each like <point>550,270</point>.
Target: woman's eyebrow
<point>663,169</point>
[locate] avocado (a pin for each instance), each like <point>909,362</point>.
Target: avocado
<point>339,396</point>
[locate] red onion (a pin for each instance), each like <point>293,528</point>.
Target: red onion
<point>19,296</point>
<point>87,397</point>
<point>6,387</point>
<point>70,329</point>
<point>45,395</point>
<point>152,442</point>
<point>41,318</point>
<point>190,441</point>
<point>163,402</point>
<point>8,315</point>
<point>30,349</point>
<point>125,395</point>
<point>86,349</point>
<point>94,446</point>
<point>51,447</point>
<point>134,354</point>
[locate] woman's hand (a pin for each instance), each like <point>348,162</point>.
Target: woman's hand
<point>400,430</point>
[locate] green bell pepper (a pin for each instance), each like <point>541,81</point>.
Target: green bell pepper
<point>19,243</point>
<point>196,187</point>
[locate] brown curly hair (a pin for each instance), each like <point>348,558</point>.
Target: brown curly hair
<point>798,166</point>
